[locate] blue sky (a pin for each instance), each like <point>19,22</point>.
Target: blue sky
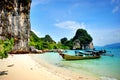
<point>61,18</point>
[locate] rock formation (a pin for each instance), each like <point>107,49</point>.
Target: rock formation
<point>82,40</point>
<point>91,45</point>
<point>76,44</point>
<point>15,23</point>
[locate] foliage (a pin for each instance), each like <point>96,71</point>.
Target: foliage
<point>47,38</point>
<point>42,43</point>
<point>63,40</point>
<point>83,36</point>
<point>69,44</point>
<point>34,37</point>
<point>5,47</point>
<point>48,43</point>
<point>80,35</point>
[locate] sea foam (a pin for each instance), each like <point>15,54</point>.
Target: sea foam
<point>107,78</point>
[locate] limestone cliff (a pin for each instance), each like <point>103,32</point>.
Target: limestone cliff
<point>82,40</point>
<point>15,23</point>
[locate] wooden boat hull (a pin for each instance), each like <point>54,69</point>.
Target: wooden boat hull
<point>71,57</point>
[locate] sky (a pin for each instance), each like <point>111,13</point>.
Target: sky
<point>61,18</point>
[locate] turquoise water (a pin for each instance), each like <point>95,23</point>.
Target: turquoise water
<point>107,68</point>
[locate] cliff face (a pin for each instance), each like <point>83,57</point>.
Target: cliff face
<point>15,23</point>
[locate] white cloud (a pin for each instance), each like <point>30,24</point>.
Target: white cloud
<point>70,25</point>
<point>116,8</point>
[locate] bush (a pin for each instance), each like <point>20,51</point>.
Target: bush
<point>5,47</point>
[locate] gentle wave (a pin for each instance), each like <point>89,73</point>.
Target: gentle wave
<point>107,78</point>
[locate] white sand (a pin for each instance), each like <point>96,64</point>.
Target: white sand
<point>23,67</point>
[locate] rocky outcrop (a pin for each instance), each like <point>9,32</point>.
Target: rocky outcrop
<point>78,45</point>
<point>82,40</point>
<point>91,45</point>
<point>15,23</point>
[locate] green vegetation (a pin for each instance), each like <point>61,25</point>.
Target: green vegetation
<point>47,38</point>
<point>42,43</point>
<point>64,40</point>
<point>48,43</point>
<point>81,35</point>
<point>65,43</point>
<point>5,47</point>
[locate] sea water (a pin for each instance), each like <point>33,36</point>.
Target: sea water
<point>106,67</point>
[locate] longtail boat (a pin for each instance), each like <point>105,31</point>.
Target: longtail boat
<point>79,57</point>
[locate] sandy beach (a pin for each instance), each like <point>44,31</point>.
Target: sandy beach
<point>24,67</point>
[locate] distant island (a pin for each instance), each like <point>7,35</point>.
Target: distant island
<point>114,45</point>
<point>81,40</point>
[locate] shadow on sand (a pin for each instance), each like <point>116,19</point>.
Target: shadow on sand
<point>3,73</point>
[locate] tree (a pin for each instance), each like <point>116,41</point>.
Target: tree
<point>48,43</point>
<point>48,39</point>
<point>69,44</point>
<point>42,43</point>
<point>63,40</point>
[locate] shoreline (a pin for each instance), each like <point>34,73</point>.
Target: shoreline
<point>24,66</point>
